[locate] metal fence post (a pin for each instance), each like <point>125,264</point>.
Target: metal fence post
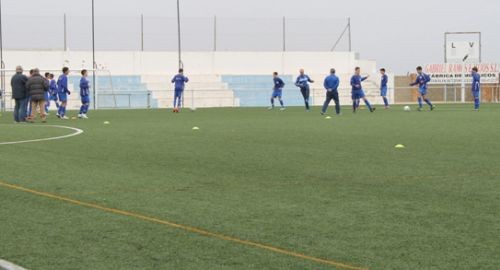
<point>142,32</point>
<point>149,100</point>
<point>284,33</point>
<point>349,33</point>
<point>65,33</point>
<point>215,33</point>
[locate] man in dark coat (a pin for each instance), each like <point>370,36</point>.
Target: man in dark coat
<point>19,94</point>
<point>37,86</point>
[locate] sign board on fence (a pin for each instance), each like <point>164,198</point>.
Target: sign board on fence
<point>457,50</point>
<point>451,73</point>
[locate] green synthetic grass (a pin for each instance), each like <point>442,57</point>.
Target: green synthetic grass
<point>334,189</point>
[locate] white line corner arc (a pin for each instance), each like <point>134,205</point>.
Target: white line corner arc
<point>76,132</point>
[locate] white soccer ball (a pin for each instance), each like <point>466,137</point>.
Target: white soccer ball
<point>407,108</point>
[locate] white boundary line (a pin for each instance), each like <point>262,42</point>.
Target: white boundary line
<point>76,132</point>
<point>9,266</point>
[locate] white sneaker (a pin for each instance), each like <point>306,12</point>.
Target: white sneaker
<point>84,116</point>
<point>282,109</point>
<point>270,108</point>
<point>80,115</point>
<point>64,117</point>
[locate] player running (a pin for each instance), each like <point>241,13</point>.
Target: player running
<point>357,92</point>
<point>422,81</point>
<point>303,83</point>
<point>63,92</point>
<point>476,88</point>
<point>180,81</point>
<point>84,95</point>
<point>383,87</point>
<point>331,85</point>
<point>277,91</point>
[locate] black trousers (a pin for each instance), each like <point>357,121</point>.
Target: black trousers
<point>305,93</point>
<point>334,94</point>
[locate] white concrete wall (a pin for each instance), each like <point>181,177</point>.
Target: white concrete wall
<point>237,63</point>
<point>152,64</point>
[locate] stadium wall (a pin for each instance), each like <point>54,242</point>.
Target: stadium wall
<point>211,74</point>
<point>228,63</point>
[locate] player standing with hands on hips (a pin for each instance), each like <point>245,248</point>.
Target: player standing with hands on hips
<point>331,85</point>
<point>277,91</point>
<point>422,80</point>
<point>179,82</point>
<point>476,88</point>
<point>357,92</point>
<point>303,83</point>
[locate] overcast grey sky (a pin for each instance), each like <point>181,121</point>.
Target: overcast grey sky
<point>398,34</point>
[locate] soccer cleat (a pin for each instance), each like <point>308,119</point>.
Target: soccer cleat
<point>419,109</point>
<point>64,117</point>
<point>80,115</point>
<point>433,107</point>
<point>282,108</point>
<point>373,109</point>
<point>58,116</point>
<point>322,113</point>
<point>84,116</point>
<point>270,108</point>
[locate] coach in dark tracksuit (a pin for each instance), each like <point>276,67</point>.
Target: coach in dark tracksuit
<point>37,87</point>
<point>331,85</point>
<point>19,94</point>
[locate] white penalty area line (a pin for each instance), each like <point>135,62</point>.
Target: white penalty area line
<point>5,265</point>
<point>76,132</point>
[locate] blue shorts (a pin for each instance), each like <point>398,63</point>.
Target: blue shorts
<point>85,99</point>
<point>63,97</point>
<point>178,93</point>
<point>475,94</point>
<point>358,94</point>
<point>422,91</point>
<point>277,93</point>
<point>383,91</point>
<point>53,97</point>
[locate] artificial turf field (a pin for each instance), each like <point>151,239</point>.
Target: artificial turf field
<point>254,180</point>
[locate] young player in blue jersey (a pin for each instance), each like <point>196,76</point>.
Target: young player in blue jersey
<point>422,81</point>
<point>179,82</point>
<point>357,92</point>
<point>53,91</point>
<point>47,94</point>
<point>277,91</point>
<point>383,87</point>
<point>84,95</point>
<point>303,83</point>
<point>476,88</point>
<point>63,92</point>
<point>331,85</point>
<point>28,100</point>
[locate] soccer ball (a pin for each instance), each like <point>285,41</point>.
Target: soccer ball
<point>407,108</point>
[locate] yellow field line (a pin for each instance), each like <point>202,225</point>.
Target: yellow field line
<point>184,227</point>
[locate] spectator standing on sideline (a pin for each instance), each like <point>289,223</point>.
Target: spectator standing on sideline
<point>19,94</point>
<point>37,86</point>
